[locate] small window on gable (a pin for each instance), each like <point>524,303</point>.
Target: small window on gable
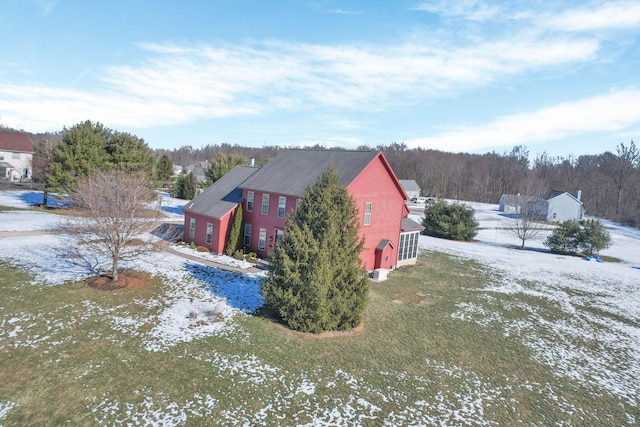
<point>265,204</point>
<point>250,197</point>
<point>367,213</point>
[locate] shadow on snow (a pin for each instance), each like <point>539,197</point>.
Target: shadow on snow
<point>240,291</point>
<point>33,198</point>
<point>172,209</point>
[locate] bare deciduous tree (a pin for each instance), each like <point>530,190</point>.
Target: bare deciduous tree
<point>527,223</point>
<point>112,218</point>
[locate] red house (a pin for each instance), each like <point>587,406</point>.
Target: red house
<point>269,192</point>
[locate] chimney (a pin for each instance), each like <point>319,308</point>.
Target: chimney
<point>578,194</point>
<point>252,161</point>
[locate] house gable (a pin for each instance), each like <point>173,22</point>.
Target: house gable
<point>376,188</point>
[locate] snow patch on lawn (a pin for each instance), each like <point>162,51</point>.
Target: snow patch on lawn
<point>5,407</point>
<point>595,338</point>
<point>154,410</point>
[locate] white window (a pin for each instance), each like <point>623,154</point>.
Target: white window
<point>367,213</point>
<point>408,248</point>
<point>279,236</point>
<point>209,233</point>
<point>16,155</point>
<point>265,204</point>
<point>192,228</point>
<point>250,197</point>
<point>262,239</point>
<point>247,234</point>
<point>282,205</point>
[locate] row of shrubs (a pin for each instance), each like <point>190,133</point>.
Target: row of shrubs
<point>251,257</point>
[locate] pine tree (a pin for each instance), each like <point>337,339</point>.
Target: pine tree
<point>221,164</point>
<point>81,151</point>
<point>129,153</point>
<point>235,234</point>
<point>164,169</point>
<point>565,238</point>
<point>447,221</point>
<point>316,280</point>
<point>185,187</point>
<point>594,237</point>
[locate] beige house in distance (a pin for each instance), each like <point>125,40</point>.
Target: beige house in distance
<point>16,156</point>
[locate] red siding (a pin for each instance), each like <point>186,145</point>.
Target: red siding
<point>269,222</point>
<point>221,227</point>
<point>376,184</point>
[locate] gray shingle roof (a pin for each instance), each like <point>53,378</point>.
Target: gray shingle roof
<point>292,171</point>
<point>553,193</point>
<point>223,195</point>
<point>409,185</point>
<point>410,225</point>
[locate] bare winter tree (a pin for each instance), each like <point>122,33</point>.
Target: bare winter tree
<point>112,219</point>
<point>527,222</point>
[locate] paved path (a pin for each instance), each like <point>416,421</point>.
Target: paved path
<point>163,246</point>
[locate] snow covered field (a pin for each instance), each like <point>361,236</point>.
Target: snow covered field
<point>600,303</point>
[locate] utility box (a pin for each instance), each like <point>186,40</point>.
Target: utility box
<point>380,274</point>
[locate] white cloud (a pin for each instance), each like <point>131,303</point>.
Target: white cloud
<point>177,84</point>
<point>611,15</point>
<point>472,10</point>
<point>613,112</point>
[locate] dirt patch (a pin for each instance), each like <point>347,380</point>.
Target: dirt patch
<point>126,280</point>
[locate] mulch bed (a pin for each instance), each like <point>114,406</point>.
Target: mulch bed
<point>126,280</point>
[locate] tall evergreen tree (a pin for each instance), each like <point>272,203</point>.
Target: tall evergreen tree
<point>88,147</point>
<point>316,280</point>
<point>164,169</point>
<point>81,152</point>
<point>129,153</point>
<point>223,163</point>
<point>235,234</point>
<point>185,187</point>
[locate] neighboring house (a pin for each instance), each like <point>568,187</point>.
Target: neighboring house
<point>561,206</point>
<point>270,191</point>
<point>554,206</point>
<point>16,156</point>
<point>198,170</point>
<point>511,203</point>
<point>411,188</point>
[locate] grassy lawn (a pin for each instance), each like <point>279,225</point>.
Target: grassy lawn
<point>433,350</point>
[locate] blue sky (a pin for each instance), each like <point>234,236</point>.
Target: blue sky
<point>464,76</point>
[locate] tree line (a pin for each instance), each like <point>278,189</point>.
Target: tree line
<point>608,181</point>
